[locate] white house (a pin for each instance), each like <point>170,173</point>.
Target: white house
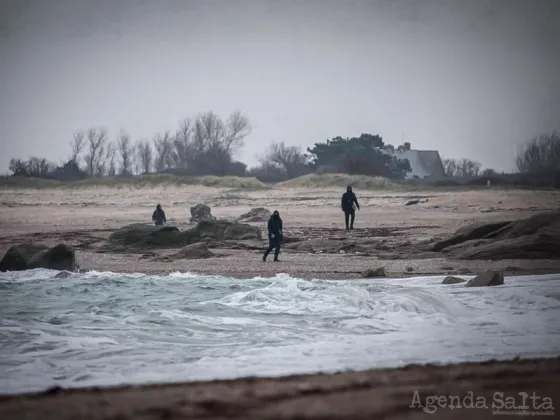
<point>424,163</point>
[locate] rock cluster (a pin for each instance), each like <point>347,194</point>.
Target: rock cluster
<point>138,238</point>
<point>258,214</point>
<point>29,256</point>
<point>201,212</point>
<point>536,237</point>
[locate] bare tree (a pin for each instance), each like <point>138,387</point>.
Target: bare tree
<point>126,153</point>
<point>34,167</point>
<point>542,154</point>
<point>145,155</point>
<point>461,168</point>
<point>77,144</point>
<point>238,128</point>
<point>108,163</point>
<point>182,144</point>
<point>290,158</point>
<point>163,145</point>
<point>96,141</point>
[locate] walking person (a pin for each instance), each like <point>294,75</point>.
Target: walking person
<point>158,216</point>
<point>349,203</point>
<point>275,235</point>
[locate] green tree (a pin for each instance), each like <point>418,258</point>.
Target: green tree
<point>364,155</point>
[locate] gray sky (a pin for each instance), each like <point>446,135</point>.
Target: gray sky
<point>471,78</point>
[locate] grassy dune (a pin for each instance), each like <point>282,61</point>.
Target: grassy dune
<point>341,181</point>
<point>139,181</point>
<point>238,183</point>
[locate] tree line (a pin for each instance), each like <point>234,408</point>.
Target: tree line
<point>206,144</point>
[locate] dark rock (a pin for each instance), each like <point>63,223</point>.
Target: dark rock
<point>467,233</point>
<point>452,280</point>
<point>195,251</point>
<point>412,202</point>
<point>536,237</point>
<point>63,275</point>
<point>17,257</point>
<point>258,214</point>
<point>487,278</point>
<point>59,257</point>
<point>374,273</point>
<point>201,212</point>
<point>139,238</point>
<point>525,248</point>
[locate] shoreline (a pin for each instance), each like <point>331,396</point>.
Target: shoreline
<point>85,218</point>
<point>386,393</point>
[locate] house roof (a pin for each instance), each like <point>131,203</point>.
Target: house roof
<point>424,163</point>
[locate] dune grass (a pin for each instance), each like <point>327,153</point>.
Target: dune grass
<point>139,181</point>
<point>341,181</point>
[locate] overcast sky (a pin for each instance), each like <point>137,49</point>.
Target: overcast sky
<point>470,78</point>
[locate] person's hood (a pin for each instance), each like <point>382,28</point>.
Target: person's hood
<point>158,207</point>
<point>349,189</point>
<point>276,214</point>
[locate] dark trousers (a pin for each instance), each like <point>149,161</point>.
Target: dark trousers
<point>273,243</point>
<point>349,216</point>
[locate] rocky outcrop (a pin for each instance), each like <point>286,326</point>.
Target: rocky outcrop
<point>30,256</point>
<point>195,251</point>
<point>452,280</point>
<point>201,212</point>
<point>138,238</point>
<point>537,237</point>
<point>17,257</point>
<point>59,257</point>
<point>488,278</point>
<point>258,214</point>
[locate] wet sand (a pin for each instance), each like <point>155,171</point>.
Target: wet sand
<point>412,392</point>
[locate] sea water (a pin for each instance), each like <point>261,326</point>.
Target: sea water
<point>103,328</point>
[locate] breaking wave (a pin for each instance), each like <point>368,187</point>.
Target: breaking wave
<point>103,328</point>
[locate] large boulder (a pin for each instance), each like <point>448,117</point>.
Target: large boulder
<point>201,212</point>
<point>469,233</point>
<point>536,237</point>
<point>138,238</point>
<point>60,257</point>
<point>17,257</point>
<point>487,278</point>
<point>452,280</point>
<point>258,214</point>
<point>29,256</point>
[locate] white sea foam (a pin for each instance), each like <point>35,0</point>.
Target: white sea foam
<point>104,328</point>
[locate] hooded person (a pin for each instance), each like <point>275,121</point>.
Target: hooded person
<point>275,235</point>
<point>347,204</point>
<point>158,216</point>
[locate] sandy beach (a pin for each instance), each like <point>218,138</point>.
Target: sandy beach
<point>85,218</point>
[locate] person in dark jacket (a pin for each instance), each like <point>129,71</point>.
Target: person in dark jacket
<point>158,216</point>
<point>347,203</point>
<point>275,235</point>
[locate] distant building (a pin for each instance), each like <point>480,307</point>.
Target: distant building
<point>424,163</point>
